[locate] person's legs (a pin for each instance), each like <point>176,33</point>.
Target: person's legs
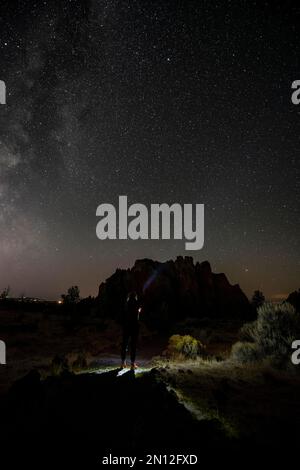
<point>125,342</point>
<point>133,344</point>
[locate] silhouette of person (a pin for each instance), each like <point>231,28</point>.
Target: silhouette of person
<point>130,325</point>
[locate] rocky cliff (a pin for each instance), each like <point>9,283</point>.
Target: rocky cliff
<point>173,291</point>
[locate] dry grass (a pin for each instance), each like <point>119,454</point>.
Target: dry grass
<point>251,402</point>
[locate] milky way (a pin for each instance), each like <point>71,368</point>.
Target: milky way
<point>163,101</point>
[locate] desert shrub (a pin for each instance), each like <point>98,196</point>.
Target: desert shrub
<point>59,365</point>
<point>80,362</point>
<point>247,333</point>
<point>245,352</point>
<point>184,346</point>
<point>270,336</point>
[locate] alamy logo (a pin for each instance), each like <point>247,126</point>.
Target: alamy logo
<point>295,358</point>
<point>2,92</point>
<point>2,352</point>
<point>296,94</point>
<point>163,219</point>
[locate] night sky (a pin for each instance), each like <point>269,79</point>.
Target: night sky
<point>163,101</point>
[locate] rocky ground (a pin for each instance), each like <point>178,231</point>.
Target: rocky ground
<point>210,410</point>
<point>210,407</point>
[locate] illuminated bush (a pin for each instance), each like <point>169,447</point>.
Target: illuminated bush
<point>270,336</point>
<point>185,347</point>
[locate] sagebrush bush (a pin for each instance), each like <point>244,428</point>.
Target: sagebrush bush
<point>245,352</point>
<point>247,332</point>
<point>184,346</point>
<point>270,336</point>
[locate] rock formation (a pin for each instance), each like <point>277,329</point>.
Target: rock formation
<point>172,291</point>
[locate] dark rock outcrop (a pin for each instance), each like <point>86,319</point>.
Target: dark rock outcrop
<point>173,291</point>
<point>87,416</point>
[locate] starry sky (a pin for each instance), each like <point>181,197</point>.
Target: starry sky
<point>163,101</point>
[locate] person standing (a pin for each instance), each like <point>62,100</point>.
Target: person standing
<point>130,326</point>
